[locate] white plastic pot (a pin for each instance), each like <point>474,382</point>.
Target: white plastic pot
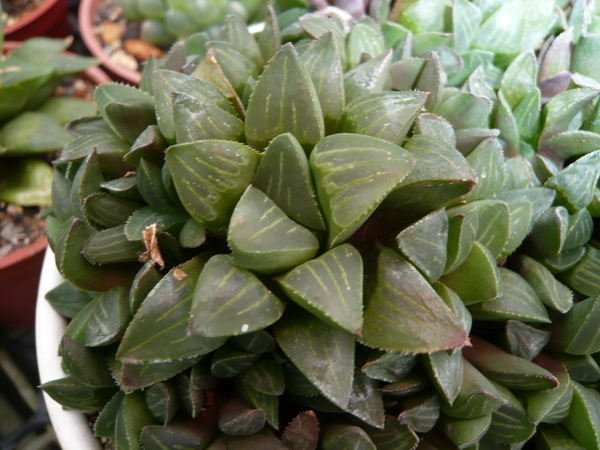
<point>71,428</point>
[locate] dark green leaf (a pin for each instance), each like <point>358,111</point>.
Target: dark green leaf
<point>308,342</point>
<point>258,400</point>
<point>487,162</point>
<point>110,149</point>
<point>510,424</point>
<point>366,402</point>
<point>552,405</point>
<point>477,397</point>
<point>406,387</point>
<point>284,100</point>
<point>555,437</point>
<point>478,265</point>
<point>466,432</point>
<point>270,39</point>
<point>236,64</point>
<point>583,420</point>
<point>190,399</point>
<point>581,368</point>
<point>210,176</point>
<point>105,423</point>
<point>394,436</point>
<point>258,342</point>
<point>131,377</point>
<point>302,433</point>
<point>77,269</point>
<point>330,287</point>
<point>161,399</point>
<point>229,301</point>
<point>148,216</point>
<point>440,174</point>
<point>509,370</point>
<point>111,246</point>
<point>562,108</point>
<point>108,210</point>
<point>132,417</point>
<point>236,418</point>
<point>266,376</point>
<point>576,332</point>
<point>165,82</point>
<point>323,63</point>
<point>585,275</point>
<point>192,435</point>
<point>109,317</point>
<point>424,243</point>
<point>284,175</point>
<point>150,145</point>
<point>168,308</point>
<point>339,437</point>
<point>339,177</point>
<point>517,300</point>
<point>550,291</point>
<point>446,371</point>
<point>524,340</point>
<point>462,231</point>
<point>76,396</point>
<point>262,238</point>
<point>67,299</point>
<point>85,364</point>
<point>405,314</point>
<point>389,366</point>
<point>195,121</point>
<point>421,413</point>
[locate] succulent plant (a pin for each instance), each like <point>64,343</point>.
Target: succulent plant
<point>330,243</point>
<point>165,21</point>
<point>31,123</point>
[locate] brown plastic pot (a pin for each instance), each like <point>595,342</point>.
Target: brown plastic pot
<point>88,11</point>
<point>48,19</point>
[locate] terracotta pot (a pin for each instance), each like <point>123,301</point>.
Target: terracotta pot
<point>71,428</point>
<point>48,19</point>
<point>19,277</point>
<point>88,11</point>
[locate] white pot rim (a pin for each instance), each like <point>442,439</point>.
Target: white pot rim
<point>71,428</point>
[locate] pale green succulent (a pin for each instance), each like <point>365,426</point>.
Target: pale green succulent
<point>31,124</point>
<point>326,243</point>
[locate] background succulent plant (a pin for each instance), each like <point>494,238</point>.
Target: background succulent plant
<point>332,242</point>
<point>165,21</point>
<point>31,124</point>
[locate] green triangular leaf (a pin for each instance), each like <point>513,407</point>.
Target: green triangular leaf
<point>330,287</point>
<point>339,177</point>
<point>307,341</point>
<point>223,169</point>
<point>284,175</point>
<point>284,103</point>
<point>168,308</point>
<point>424,243</point>
<point>404,326</point>
<point>218,313</point>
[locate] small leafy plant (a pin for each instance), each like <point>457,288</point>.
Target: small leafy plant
<point>380,236</point>
<point>32,123</point>
<point>165,21</point>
